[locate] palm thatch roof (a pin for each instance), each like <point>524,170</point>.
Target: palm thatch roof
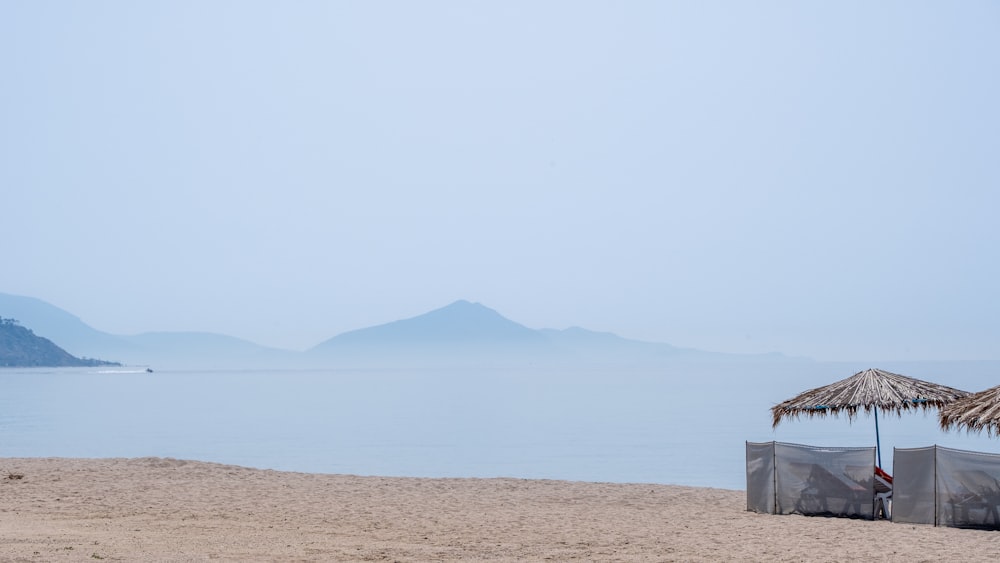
<point>976,412</point>
<point>867,390</point>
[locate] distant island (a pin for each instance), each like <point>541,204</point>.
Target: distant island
<point>20,347</point>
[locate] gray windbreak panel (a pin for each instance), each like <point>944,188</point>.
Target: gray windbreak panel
<point>968,489</point>
<point>810,480</point>
<point>913,485</point>
<point>824,481</point>
<point>760,477</point>
<point>946,487</point>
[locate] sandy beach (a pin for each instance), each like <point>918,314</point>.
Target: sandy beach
<point>155,509</point>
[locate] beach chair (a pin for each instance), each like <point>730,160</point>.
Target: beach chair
<point>883,494</point>
<point>831,493</point>
<point>974,500</point>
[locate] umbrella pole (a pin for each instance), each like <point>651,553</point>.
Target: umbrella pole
<point>878,447</point>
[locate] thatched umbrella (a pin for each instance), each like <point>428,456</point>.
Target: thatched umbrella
<point>870,390</point>
<point>976,412</point>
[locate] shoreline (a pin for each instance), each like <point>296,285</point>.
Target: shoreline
<point>178,510</point>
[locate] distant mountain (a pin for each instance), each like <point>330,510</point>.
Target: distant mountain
<point>464,332</point>
<point>461,322</point>
<point>20,347</point>
<point>588,345</point>
<point>461,333</point>
<point>72,334</point>
<point>208,350</point>
<point>585,343</point>
<point>172,349</point>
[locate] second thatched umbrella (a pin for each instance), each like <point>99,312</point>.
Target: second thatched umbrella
<point>868,390</point>
<point>975,412</point>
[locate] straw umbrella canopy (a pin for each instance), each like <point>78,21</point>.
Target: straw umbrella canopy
<point>868,390</point>
<point>975,413</point>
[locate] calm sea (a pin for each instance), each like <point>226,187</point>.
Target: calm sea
<point>679,425</point>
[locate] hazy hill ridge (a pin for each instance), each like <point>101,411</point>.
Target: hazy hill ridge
<point>461,333</point>
<point>20,347</point>
<point>460,322</point>
<point>465,332</point>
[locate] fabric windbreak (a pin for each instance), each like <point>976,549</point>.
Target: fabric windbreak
<point>813,480</point>
<point>968,489</point>
<point>760,477</point>
<point>913,485</point>
<point>946,487</point>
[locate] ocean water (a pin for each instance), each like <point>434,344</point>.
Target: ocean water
<point>682,424</point>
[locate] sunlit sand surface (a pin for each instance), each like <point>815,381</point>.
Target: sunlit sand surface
<point>173,510</point>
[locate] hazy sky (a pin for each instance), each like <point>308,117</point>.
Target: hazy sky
<point>815,178</point>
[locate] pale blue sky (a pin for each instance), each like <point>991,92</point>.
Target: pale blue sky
<point>819,179</point>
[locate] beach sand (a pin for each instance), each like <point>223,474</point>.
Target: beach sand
<point>155,509</point>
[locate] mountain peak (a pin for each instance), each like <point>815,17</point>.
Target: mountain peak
<point>462,310</point>
<point>461,322</point>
